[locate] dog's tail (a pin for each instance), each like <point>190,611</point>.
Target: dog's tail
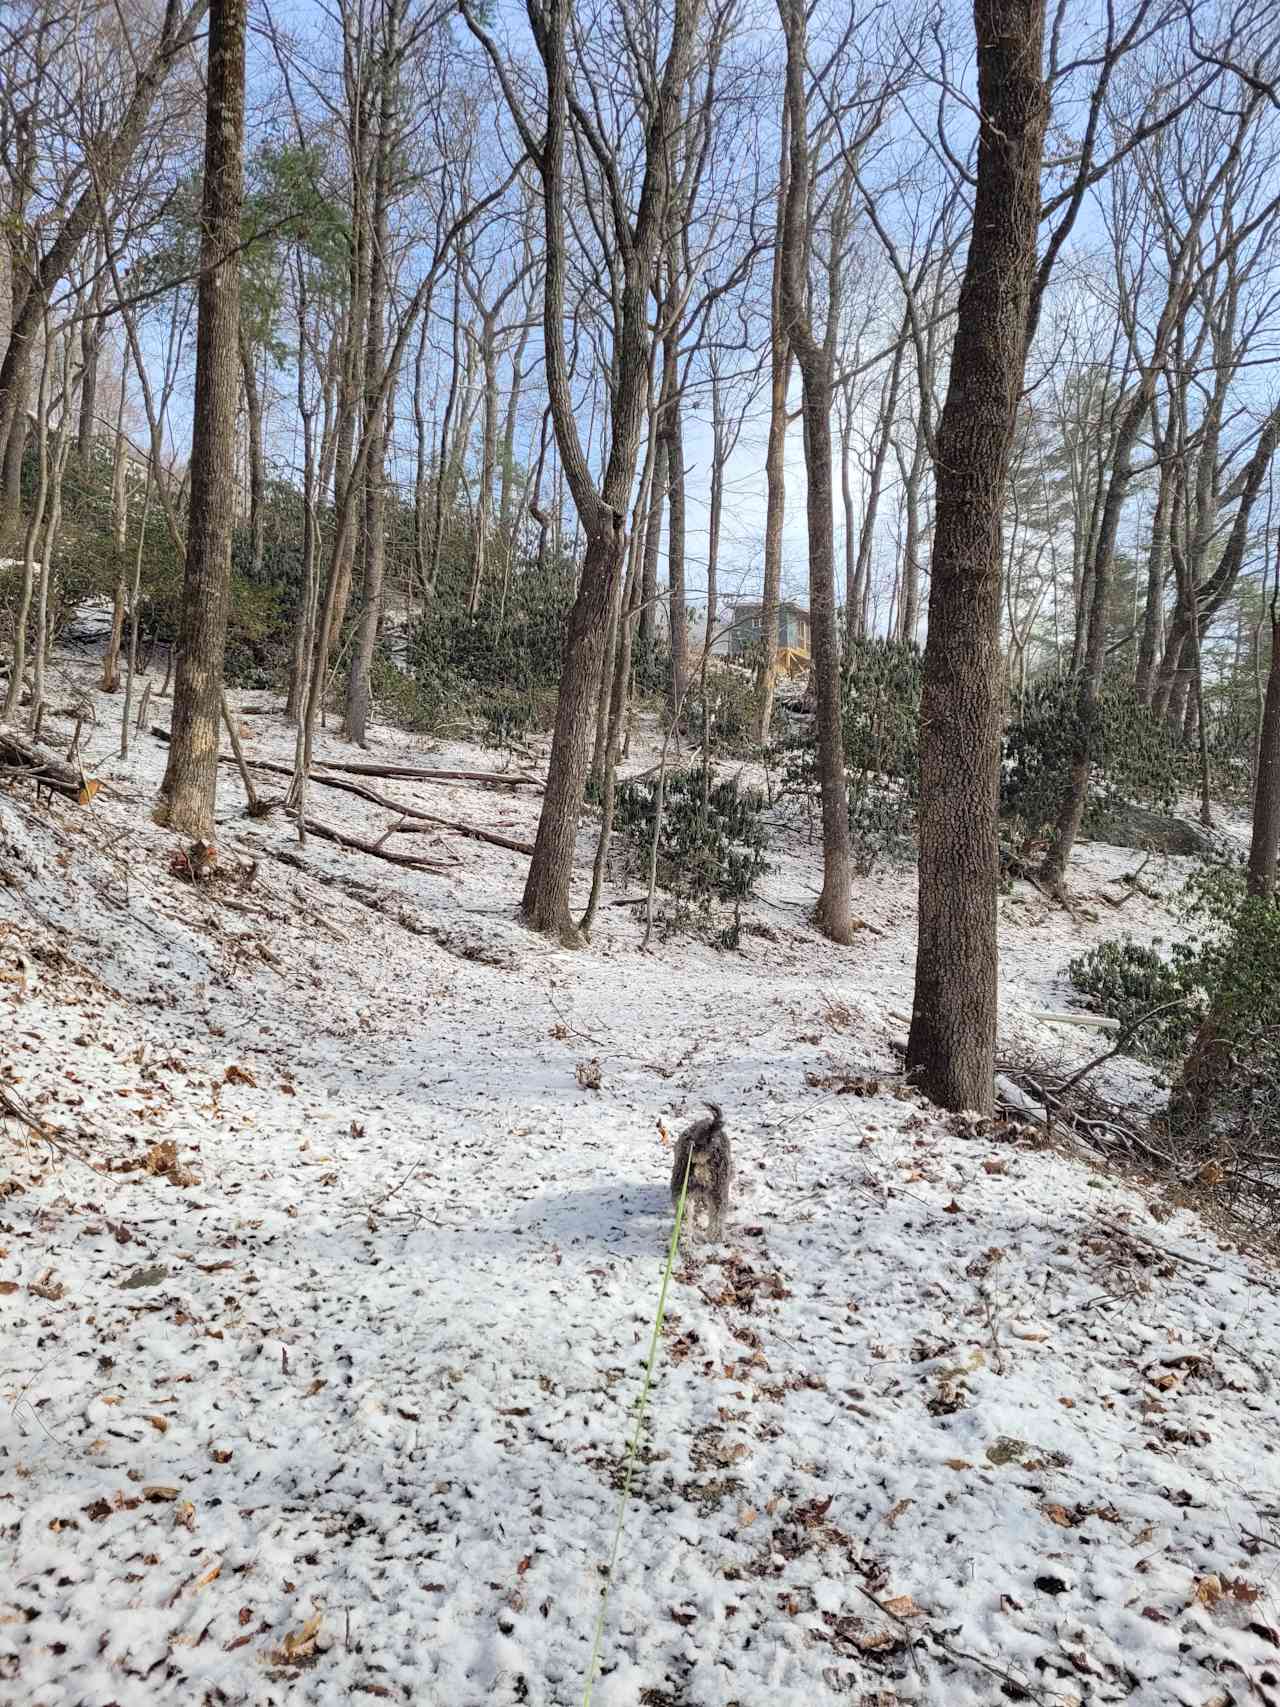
<point>718,1123</point>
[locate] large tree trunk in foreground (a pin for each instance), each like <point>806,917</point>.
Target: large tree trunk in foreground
<point>951,1050</point>
<point>191,776</point>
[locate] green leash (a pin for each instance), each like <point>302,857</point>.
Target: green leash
<point>642,1405</point>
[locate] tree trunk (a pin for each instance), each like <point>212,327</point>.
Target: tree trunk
<point>671,429</point>
<point>1156,554</point>
<point>546,892</point>
<point>257,461</point>
<point>951,1049</point>
<point>1076,796</point>
<point>1264,847</point>
<point>119,539</point>
<point>833,914</point>
<point>191,775</point>
<point>775,475</point>
<point>866,538</point>
<point>652,542</point>
<point>360,681</point>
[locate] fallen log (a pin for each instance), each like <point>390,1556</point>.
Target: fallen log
<point>413,773</point>
<point>327,833</point>
<point>22,756</point>
<point>388,772</point>
<point>423,822</point>
<point>424,819</point>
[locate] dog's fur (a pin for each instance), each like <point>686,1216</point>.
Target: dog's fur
<point>710,1172</point>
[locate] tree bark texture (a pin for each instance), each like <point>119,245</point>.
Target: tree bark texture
<point>191,776</point>
<point>951,1049</point>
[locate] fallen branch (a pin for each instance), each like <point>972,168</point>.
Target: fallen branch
<point>251,793</point>
<point>24,757</point>
<point>422,823</point>
<point>355,844</point>
<point>1089,1022</point>
<point>422,820</point>
<point>381,902</point>
<point>413,773</point>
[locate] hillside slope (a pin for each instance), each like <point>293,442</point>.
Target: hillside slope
<point>330,1400</point>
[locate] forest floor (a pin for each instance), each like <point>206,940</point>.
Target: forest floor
<point>320,1369</point>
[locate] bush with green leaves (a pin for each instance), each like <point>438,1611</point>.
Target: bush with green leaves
<point>1228,964</point>
<point>1125,979</point>
<point>711,845</point>
<point>1135,759</point>
<point>495,671</point>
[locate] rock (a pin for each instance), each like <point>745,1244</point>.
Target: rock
<point>1128,826</point>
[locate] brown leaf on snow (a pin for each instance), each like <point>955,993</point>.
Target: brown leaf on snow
<point>240,1076</point>
<point>952,1208</point>
<point>896,1511</point>
<point>160,1496</point>
<point>588,1075</point>
<point>747,1516</point>
<point>1058,1514</point>
<point>299,1643</point>
<point>902,1606</point>
<point>185,1515</point>
<point>160,1424</point>
<point>1209,1591</point>
<point>161,1158</point>
<point>7,1287</point>
<point>957,1464</point>
<point>1245,1592</point>
<point>995,1165</point>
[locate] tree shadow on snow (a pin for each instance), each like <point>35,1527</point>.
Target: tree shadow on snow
<point>625,1217</point>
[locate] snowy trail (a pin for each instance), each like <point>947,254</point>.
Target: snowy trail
<point>948,1416</point>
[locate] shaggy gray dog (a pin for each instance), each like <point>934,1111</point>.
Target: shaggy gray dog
<point>710,1172</point>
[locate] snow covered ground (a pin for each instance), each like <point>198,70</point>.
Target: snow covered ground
<point>318,1383</point>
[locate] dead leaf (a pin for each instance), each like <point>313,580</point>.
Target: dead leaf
<point>524,1564</point>
<point>747,1516</point>
<point>240,1076</point>
<point>1209,1591</point>
<point>995,1165</point>
<point>588,1074</point>
<point>211,1575</point>
<point>952,1208</point>
<point>902,1606</point>
<point>896,1511</point>
<point>298,1643</point>
<point>185,1515</point>
<point>160,1424</point>
<point>1058,1514</point>
<point>957,1464</point>
<point>7,1287</point>
<point>160,1496</point>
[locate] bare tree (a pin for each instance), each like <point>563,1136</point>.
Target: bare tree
<point>951,1046</point>
<point>601,509</point>
<point>189,787</point>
